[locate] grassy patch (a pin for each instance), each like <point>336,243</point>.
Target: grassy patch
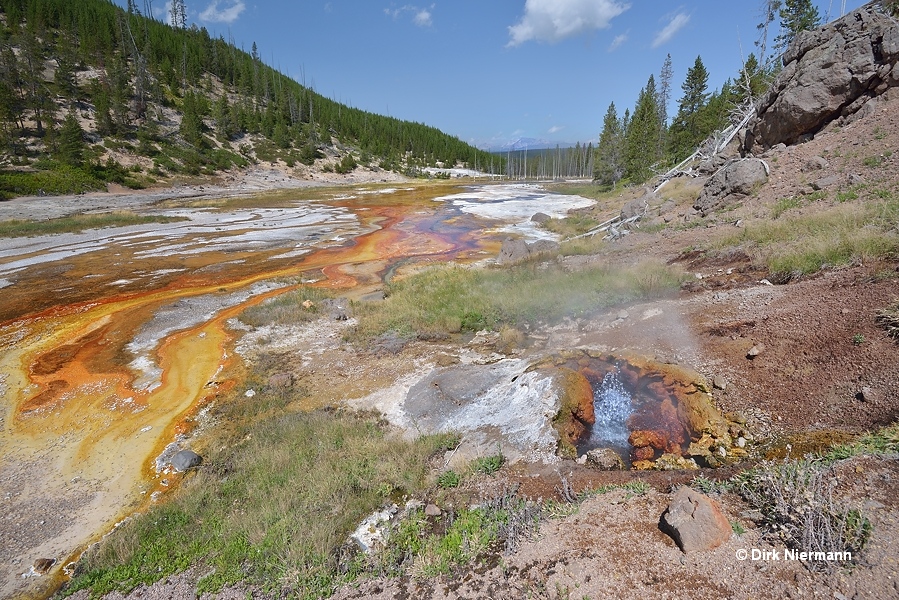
<point>63,180</point>
<point>794,246</point>
<point>297,306</point>
<point>453,299</point>
<point>78,223</point>
<point>783,205</point>
<point>427,547</point>
<point>272,505</point>
<point>571,226</point>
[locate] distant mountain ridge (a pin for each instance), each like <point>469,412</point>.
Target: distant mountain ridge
<point>528,143</point>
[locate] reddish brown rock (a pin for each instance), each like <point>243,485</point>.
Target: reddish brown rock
<point>576,411</point>
<point>695,521</point>
<point>647,437</point>
<point>644,453</point>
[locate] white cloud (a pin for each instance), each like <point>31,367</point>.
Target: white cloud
<point>618,41</point>
<point>555,129</point>
<point>228,14</point>
<point>423,17</point>
<point>677,23</point>
<point>555,20</point>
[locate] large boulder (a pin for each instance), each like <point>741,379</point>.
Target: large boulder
<point>733,182</point>
<point>516,250</point>
<point>695,521</point>
<point>828,73</point>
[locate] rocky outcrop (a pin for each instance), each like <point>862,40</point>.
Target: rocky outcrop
<point>733,182</point>
<point>828,73</point>
<point>516,250</point>
<point>695,521</point>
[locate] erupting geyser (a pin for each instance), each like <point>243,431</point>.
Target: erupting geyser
<point>653,415</point>
<point>612,407</point>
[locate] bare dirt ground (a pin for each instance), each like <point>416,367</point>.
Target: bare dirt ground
<point>812,383</point>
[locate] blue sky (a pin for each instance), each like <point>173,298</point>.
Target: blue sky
<point>491,71</point>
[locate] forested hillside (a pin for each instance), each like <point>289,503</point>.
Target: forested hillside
<point>91,93</point>
<point>642,142</point>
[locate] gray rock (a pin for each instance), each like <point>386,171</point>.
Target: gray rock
<point>186,459</point>
<point>543,247</point>
<point>638,206</point>
<point>604,459</point>
<point>513,250</point>
<point>755,351</point>
<point>695,521</point>
<point>825,182</point>
<point>719,382</point>
<point>540,218</point>
<point>829,73</point>
<point>432,510</point>
<point>736,180</point>
<point>815,163</point>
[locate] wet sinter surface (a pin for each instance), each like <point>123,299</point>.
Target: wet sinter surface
<point>110,338</point>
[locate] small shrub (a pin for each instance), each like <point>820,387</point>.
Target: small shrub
<point>796,499</point>
<point>449,479</point>
<point>888,318</point>
<point>858,339</point>
<point>488,464</point>
<point>737,527</point>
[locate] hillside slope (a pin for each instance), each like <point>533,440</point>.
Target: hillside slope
<point>91,94</point>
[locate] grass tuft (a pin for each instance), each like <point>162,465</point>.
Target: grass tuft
<point>78,223</point>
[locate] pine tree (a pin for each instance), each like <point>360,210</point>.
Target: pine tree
<point>796,16</point>
<point>70,142</point>
<point>641,146</point>
<point>685,132</point>
<point>608,166</point>
<point>192,120</point>
<point>664,97</point>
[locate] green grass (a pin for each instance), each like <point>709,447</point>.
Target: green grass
<point>287,308</point>
<point>453,299</point>
<point>570,226</point>
<point>78,223</point>
<point>783,205</point>
<point>60,180</point>
<point>429,547</point>
<point>488,464</point>
<point>794,246</point>
<point>271,506</point>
